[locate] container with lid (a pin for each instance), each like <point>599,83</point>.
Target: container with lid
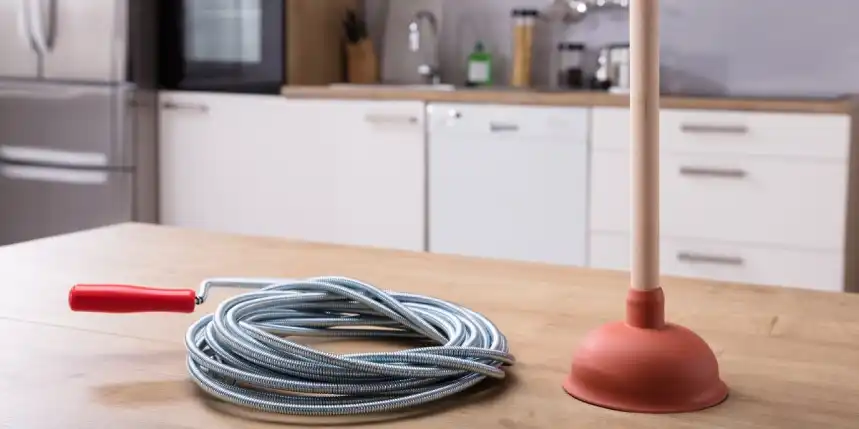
<point>619,59</point>
<point>570,65</point>
<point>613,71</point>
<point>524,21</point>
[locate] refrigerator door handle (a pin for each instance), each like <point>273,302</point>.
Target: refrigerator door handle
<point>37,26</point>
<point>27,94</point>
<point>52,157</point>
<point>25,30</point>
<point>51,36</point>
<point>53,175</point>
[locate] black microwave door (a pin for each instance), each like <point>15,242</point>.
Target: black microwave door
<point>223,45</point>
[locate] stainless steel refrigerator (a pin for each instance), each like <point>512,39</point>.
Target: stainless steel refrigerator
<point>78,126</point>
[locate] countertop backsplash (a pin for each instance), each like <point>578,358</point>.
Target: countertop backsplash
<point>728,47</point>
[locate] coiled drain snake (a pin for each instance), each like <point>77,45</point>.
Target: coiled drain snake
<point>242,353</point>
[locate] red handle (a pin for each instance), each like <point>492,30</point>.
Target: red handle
<point>130,299</point>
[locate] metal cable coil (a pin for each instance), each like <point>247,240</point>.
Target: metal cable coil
<point>241,354</point>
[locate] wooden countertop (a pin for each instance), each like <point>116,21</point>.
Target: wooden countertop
<point>790,357</point>
<point>583,99</point>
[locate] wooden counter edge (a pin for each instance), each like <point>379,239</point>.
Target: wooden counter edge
<point>580,99</point>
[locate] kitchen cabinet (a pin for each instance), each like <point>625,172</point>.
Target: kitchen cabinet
<point>219,157</point>
<point>355,173</point>
<point>508,182</point>
<point>728,261</point>
<point>344,172</point>
<point>752,197</point>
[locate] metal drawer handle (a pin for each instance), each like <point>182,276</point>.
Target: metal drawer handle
<point>699,258</point>
<point>60,158</point>
<point>497,127</point>
<point>195,107</point>
<point>714,129</point>
<point>37,28</point>
<point>714,172</point>
<point>51,35</point>
<point>391,119</point>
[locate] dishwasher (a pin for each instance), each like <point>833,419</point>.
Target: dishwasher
<point>508,182</point>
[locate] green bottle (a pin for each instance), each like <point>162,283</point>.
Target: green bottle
<point>479,66</point>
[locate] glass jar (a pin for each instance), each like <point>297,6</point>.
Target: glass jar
<point>619,59</point>
<point>570,65</point>
<point>524,21</point>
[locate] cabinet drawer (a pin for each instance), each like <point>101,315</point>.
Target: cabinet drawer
<point>509,121</point>
<point>814,136</point>
<point>362,115</point>
<point>745,199</point>
<point>728,262</point>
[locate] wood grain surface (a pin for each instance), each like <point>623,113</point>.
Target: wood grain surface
<point>644,101</point>
<point>789,356</point>
<point>314,45</point>
<point>582,99</point>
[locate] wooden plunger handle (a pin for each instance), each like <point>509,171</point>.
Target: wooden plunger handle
<point>644,108</point>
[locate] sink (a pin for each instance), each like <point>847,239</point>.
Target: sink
<point>394,87</point>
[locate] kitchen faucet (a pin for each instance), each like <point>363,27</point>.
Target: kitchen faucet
<point>429,69</point>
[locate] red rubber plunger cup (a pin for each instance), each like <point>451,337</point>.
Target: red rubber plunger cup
<point>644,364</point>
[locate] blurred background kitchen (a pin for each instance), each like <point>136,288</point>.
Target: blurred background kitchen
<point>495,129</point>
<point>733,47</point>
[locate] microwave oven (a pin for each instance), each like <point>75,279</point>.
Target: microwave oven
<point>250,46</point>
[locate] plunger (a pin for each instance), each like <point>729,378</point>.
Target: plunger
<point>644,364</point>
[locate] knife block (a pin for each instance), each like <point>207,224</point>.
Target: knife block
<point>362,63</point>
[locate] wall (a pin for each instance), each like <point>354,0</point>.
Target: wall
<point>760,47</point>
<point>388,22</point>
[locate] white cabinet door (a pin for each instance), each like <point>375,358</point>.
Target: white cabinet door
<point>512,191</point>
<point>729,262</point>
<point>355,173</point>
<point>807,136</point>
<point>749,197</point>
<point>328,171</point>
<point>219,159</point>
<point>742,199</point>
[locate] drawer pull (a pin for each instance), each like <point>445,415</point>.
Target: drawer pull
<point>699,258</point>
<point>714,129</point>
<point>724,173</point>
<point>391,119</point>
<point>195,107</point>
<point>497,127</point>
